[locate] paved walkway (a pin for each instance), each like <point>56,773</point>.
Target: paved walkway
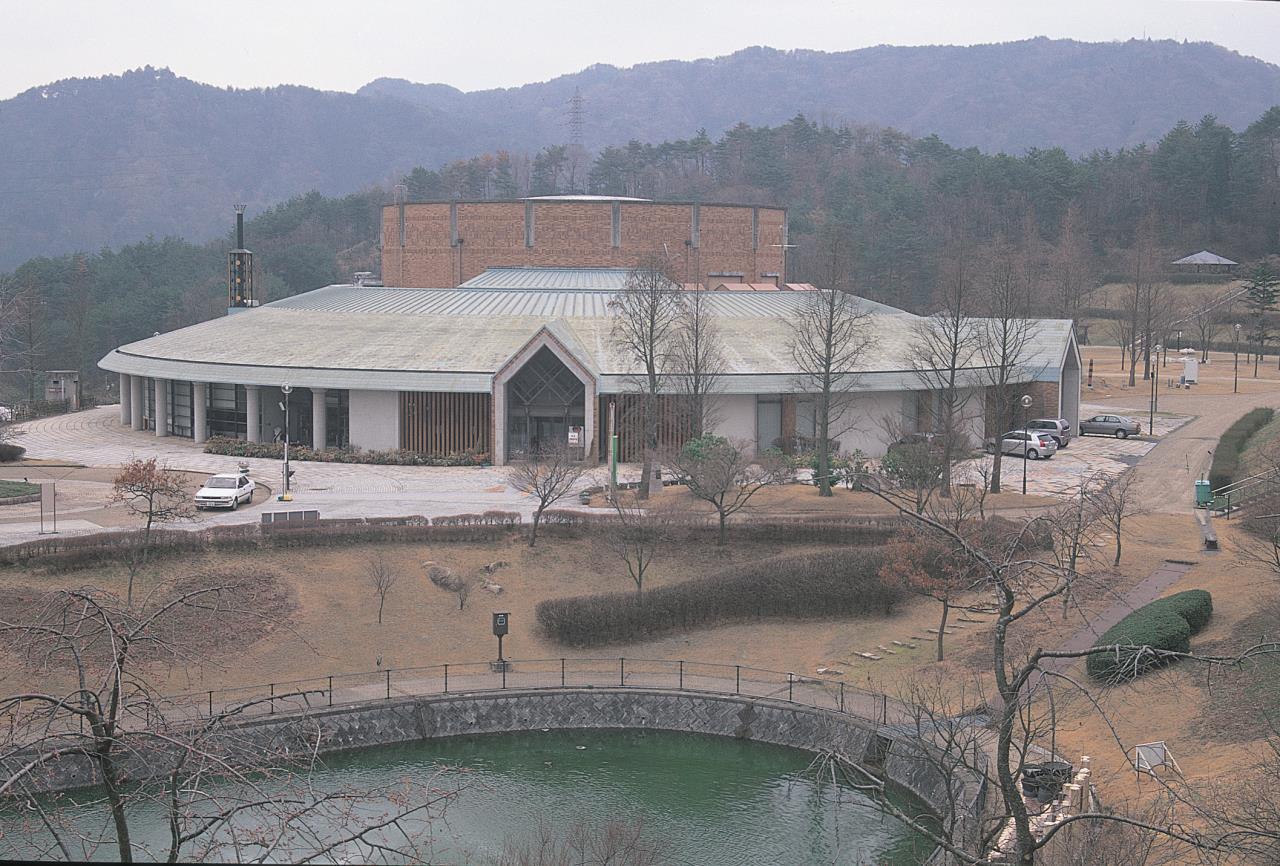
<point>339,490</point>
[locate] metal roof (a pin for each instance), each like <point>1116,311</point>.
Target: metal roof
<point>599,279</point>
<point>1204,257</point>
<point>456,339</point>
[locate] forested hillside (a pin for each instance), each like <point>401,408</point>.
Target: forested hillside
<point>906,210</point>
<point>105,162</point>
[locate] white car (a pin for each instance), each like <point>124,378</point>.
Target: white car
<point>6,414</point>
<point>225,491</point>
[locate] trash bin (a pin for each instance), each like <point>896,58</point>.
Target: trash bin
<point>1204,495</point>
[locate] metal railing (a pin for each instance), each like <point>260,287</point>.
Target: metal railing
<point>462,678</point>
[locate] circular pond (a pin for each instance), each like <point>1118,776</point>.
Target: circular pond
<point>690,798</point>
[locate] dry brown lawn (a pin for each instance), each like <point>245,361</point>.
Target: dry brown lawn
<point>1111,384</point>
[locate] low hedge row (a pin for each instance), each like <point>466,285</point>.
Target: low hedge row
<point>1166,624</point>
<point>1226,457</point>
<point>10,453</point>
<point>813,586</point>
<point>392,457</point>
<point>567,523</point>
<point>68,553</point>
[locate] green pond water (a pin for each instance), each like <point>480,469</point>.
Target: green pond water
<point>699,799</point>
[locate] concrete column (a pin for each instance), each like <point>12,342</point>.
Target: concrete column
<point>589,421</point>
<point>252,410</point>
<point>137,401</point>
<point>199,416</point>
<point>126,400</point>
<point>318,418</point>
<point>162,407</point>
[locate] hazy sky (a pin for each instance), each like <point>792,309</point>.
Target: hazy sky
<point>476,44</point>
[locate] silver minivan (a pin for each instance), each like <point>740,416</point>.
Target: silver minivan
<point>1058,428</point>
<point>1032,444</point>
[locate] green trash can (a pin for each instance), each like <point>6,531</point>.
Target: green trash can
<point>1204,495</point>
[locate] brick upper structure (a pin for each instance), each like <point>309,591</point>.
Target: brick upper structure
<point>444,244</point>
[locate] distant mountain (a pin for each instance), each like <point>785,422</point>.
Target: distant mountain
<point>94,162</point>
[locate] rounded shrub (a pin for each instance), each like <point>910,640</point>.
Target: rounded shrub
<point>1140,639</point>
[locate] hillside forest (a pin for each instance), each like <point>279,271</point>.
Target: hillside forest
<point>908,213</point>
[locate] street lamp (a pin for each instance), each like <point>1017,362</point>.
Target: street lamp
<point>1026,404</point>
<point>1155,390</point>
<point>286,389</point>
<point>1235,346</point>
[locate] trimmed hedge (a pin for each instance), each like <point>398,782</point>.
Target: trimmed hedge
<point>1166,624</point>
<point>392,457</point>
<point>10,453</point>
<point>814,586</point>
<point>1226,457</point>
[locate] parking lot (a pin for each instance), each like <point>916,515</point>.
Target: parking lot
<point>1084,456</point>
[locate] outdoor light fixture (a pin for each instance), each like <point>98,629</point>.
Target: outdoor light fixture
<point>286,389</point>
<point>1026,402</point>
<point>1155,388</point>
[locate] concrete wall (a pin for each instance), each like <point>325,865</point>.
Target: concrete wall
<point>374,420</point>
<point>865,418</point>
<point>735,417</point>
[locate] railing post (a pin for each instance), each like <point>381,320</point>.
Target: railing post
<point>211,704</point>
<point>682,674</point>
<point>330,689</point>
<point>790,684</point>
<point>504,675</point>
<point>737,679</point>
<point>272,711</point>
<point>446,679</point>
<point>622,672</point>
<point>842,696</point>
<point>884,709</point>
<point>561,673</point>
<point>388,683</point>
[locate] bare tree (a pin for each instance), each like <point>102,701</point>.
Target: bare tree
<point>1006,339</point>
<point>221,794</point>
<point>1116,499</point>
<point>1070,266</point>
<point>547,476</point>
<point>647,315</point>
<point>382,579</point>
<point>943,348</point>
<point>155,493</point>
<point>698,363</point>
<point>831,334</point>
<point>635,538</point>
<point>724,473</point>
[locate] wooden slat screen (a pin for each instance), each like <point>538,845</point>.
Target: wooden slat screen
<point>674,427</point>
<point>442,423</point>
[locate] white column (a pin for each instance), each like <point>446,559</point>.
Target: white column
<point>126,400</point>
<point>199,419</point>
<point>589,421</point>
<point>137,401</point>
<point>318,419</point>
<point>162,407</point>
<point>252,411</point>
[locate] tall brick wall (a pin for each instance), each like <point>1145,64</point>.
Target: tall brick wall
<point>736,239</point>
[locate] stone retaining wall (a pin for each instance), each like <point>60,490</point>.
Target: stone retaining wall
<point>19,500</point>
<point>403,720</point>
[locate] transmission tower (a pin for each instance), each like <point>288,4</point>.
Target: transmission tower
<point>575,118</point>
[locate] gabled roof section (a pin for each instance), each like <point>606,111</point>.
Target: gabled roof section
<point>1204,257</point>
<point>560,338</point>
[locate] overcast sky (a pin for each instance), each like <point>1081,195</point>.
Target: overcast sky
<point>477,44</point>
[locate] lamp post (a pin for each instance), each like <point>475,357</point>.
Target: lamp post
<point>1155,390</point>
<point>286,389</point>
<point>1235,345</point>
<point>1026,404</point>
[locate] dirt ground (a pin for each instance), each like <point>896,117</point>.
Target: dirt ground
<point>1110,383</point>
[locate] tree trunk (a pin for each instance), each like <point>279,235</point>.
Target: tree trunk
<point>1116,564</point>
<point>942,626</point>
<point>997,462</point>
<point>722,519</point>
<point>824,448</point>
<point>382,599</point>
<point>112,785</point>
<point>533,535</point>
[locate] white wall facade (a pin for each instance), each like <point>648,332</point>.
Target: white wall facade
<point>734,417</point>
<point>862,425</point>
<point>374,419</point>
